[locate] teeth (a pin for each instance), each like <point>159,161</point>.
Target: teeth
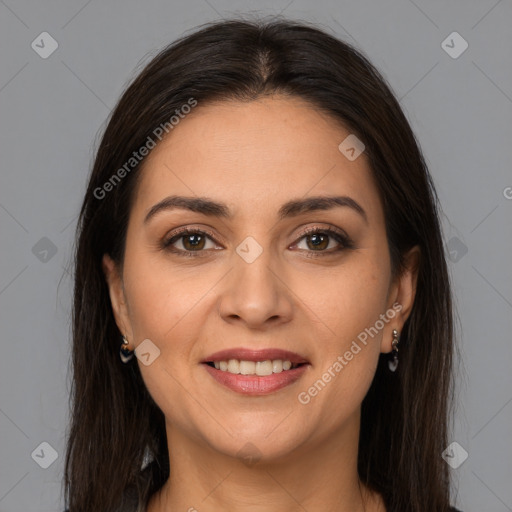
<point>277,366</point>
<point>233,366</point>
<point>264,368</point>
<point>247,367</point>
<point>260,368</point>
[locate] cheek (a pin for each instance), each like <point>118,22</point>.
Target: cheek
<point>352,301</point>
<point>166,307</point>
<point>365,302</point>
<point>348,301</point>
<point>160,297</point>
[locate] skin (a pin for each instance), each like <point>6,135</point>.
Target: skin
<point>254,156</point>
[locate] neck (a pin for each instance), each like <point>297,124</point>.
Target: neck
<point>315,478</point>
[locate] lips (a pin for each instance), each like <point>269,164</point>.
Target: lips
<point>235,368</point>
<point>255,355</point>
<point>255,385</point>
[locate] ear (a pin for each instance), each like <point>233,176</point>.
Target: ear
<point>117,295</point>
<point>401,297</point>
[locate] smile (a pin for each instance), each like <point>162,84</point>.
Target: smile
<point>260,368</point>
<point>255,372</point>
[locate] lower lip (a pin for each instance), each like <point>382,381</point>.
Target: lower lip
<point>254,384</point>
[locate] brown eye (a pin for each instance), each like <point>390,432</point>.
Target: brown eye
<point>189,241</point>
<point>319,240</point>
<point>193,241</point>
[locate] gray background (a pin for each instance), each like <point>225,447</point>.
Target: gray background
<point>53,109</point>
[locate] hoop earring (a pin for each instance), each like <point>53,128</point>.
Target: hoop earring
<point>393,363</point>
<point>125,353</point>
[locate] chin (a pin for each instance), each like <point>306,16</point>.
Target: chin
<point>259,441</point>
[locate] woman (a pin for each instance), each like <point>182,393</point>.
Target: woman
<point>261,232</point>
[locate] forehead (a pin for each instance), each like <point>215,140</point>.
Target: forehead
<point>250,154</point>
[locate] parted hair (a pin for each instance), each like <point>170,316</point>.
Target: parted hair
<point>114,422</point>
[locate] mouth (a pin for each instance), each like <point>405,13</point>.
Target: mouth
<point>259,368</point>
<point>255,372</point>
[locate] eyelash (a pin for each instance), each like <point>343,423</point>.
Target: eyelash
<point>342,238</point>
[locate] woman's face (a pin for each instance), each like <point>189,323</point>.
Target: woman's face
<point>254,282</point>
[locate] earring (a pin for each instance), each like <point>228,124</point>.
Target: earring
<point>124,352</point>
<point>393,363</point>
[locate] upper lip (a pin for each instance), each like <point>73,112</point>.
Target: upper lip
<point>246,354</point>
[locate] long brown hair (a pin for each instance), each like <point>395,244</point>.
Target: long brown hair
<point>405,415</point>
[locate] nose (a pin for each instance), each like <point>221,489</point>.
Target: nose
<point>256,294</point>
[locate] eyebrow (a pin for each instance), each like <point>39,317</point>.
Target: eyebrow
<point>293,208</point>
